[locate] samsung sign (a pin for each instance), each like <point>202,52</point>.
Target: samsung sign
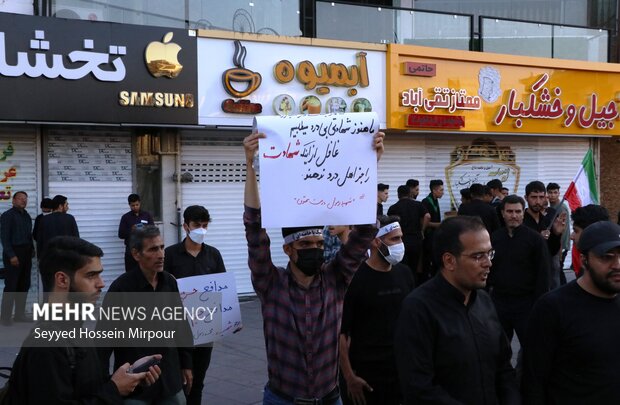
<point>80,71</point>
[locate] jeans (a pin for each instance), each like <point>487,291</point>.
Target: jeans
<point>269,398</point>
<point>176,399</point>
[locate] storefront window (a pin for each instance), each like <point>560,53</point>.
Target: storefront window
<point>276,17</point>
<point>515,37</point>
<point>163,13</point>
<point>273,17</point>
<point>544,40</point>
<point>580,43</point>
<point>389,25</point>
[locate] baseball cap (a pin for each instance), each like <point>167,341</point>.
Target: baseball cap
<point>600,237</point>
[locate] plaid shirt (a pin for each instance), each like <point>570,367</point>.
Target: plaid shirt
<point>301,325</point>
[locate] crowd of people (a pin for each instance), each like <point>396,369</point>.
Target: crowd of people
<point>413,309</point>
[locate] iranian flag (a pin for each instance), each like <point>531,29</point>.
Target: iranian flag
<point>582,191</point>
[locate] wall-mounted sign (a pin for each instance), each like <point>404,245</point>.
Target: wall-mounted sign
<point>81,71</point>
<point>479,162</point>
<point>419,69</point>
<point>285,80</point>
<point>435,121</point>
<point>499,93</point>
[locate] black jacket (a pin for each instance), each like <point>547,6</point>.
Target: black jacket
<point>486,212</point>
<point>44,375</point>
<point>451,353</point>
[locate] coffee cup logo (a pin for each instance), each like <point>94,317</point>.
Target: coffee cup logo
<point>161,58</point>
<point>240,74</point>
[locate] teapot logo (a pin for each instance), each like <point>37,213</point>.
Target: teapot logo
<point>161,58</point>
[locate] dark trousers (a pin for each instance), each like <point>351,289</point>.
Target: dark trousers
<point>513,313</point>
<point>413,255</point>
<point>201,358</point>
<point>16,283</point>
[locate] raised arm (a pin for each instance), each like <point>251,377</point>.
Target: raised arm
<point>250,145</point>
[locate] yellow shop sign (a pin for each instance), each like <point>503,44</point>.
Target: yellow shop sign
<point>478,92</point>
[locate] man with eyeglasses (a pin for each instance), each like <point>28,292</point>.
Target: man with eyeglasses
<point>450,347</point>
<point>572,355</point>
<point>521,268</point>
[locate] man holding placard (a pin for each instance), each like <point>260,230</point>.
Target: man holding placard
<point>302,303</point>
<point>193,257</point>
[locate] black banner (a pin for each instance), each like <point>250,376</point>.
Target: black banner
<point>53,69</point>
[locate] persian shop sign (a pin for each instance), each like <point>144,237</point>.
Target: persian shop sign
<point>491,97</point>
<point>82,71</point>
<point>297,79</point>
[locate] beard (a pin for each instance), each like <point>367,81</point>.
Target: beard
<point>601,281</point>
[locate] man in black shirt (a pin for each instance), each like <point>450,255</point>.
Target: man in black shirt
<point>64,373</point>
<point>521,269</point>
<point>17,249</point>
<point>134,218</point>
<point>58,223</point>
<point>571,356</point>
<point>450,347</point>
<point>583,217</point>
<point>383,191</point>
<point>193,257</point>
<point>370,309</point>
<point>431,203</point>
<point>478,208</point>
<point>147,247</point>
<point>413,218</point>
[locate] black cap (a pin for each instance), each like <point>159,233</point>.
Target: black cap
<point>600,237</point>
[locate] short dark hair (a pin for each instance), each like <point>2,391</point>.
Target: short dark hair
<point>196,213</point>
<point>139,235</point>
<point>487,191</point>
<point>466,193</point>
<point>553,186</point>
<point>476,190</point>
<point>435,183</point>
<point>387,219</point>
<point>505,188</point>
<point>512,199</point>
<point>495,183</point>
<point>412,183</point>
<point>20,192</point>
<point>383,187</point>
<point>591,213</point>
<point>66,254</point>
<point>47,203</point>
<point>403,191</point>
<point>535,187</point>
<point>59,200</point>
<point>132,198</point>
<point>447,236</point>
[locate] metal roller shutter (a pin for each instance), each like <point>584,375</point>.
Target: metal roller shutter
<point>426,156</point>
<point>93,169</point>
<point>217,164</point>
<point>18,151</point>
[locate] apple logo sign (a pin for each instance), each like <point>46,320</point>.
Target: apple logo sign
<point>161,58</point>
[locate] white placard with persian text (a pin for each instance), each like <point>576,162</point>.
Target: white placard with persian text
<point>217,293</point>
<point>318,169</point>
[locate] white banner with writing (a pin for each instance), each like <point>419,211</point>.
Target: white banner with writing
<point>217,294</point>
<point>318,169</point>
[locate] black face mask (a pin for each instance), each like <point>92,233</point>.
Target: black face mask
<point>309,261</point>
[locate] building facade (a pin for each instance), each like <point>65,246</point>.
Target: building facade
<point>105,98</point>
